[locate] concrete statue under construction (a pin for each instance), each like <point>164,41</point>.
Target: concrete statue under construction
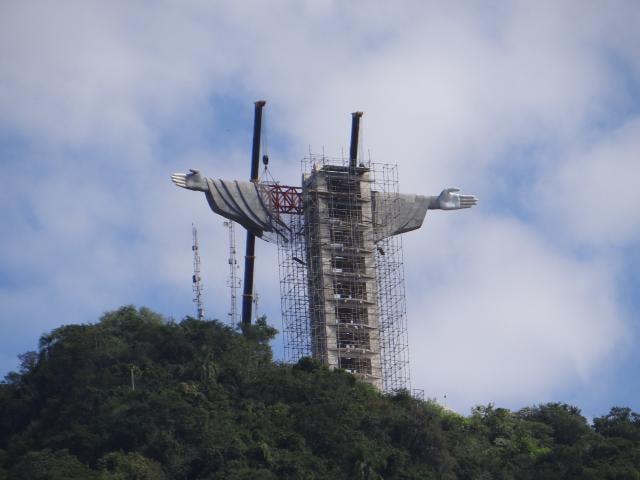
<point>341,271</point>
<point>250,203</point>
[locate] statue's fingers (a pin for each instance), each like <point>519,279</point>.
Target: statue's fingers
<point>451,189</point>
<point>469,201</point>
<point>181,182</point>
<point>468,197</point>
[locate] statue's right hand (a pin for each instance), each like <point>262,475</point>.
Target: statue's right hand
<point>192,180</point>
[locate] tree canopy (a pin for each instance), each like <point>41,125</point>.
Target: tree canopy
<point>137,396</point>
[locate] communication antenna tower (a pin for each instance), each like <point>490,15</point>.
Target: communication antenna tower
<point>233,281</point>
<point>256,300</point>
<point>197,280</point>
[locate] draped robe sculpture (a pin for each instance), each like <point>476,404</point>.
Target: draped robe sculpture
<point>248,204</point>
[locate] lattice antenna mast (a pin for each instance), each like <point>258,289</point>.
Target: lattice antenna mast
<point>233,282</point>
<point>197,280</point>
<point>256,301</point>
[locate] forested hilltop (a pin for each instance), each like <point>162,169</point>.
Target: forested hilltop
<point>135,396</point>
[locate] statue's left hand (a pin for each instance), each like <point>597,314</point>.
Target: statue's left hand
<point>450,199</point>
<point>192,180</point>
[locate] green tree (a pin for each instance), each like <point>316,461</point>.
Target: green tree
<point>51,465</point>
<point>129,466</point>
<point>210,403</point>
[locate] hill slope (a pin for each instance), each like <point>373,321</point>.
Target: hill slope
<point>137,397</point>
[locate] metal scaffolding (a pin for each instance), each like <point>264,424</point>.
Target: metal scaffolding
<point>294,290</point>
<point>341,281</point>
<point>392,309</point>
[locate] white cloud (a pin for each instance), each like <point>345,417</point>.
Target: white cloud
<point>502,314</point>
<point>592,197</point>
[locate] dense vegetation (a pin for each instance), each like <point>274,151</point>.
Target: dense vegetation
<point>138,397</point>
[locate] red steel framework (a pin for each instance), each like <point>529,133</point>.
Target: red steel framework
<point>286,199</point>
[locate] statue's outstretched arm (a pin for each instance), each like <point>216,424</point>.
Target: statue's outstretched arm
<point>396,214</point>
<point>243,202</point>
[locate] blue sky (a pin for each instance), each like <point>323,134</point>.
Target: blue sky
<point>533,106</point>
